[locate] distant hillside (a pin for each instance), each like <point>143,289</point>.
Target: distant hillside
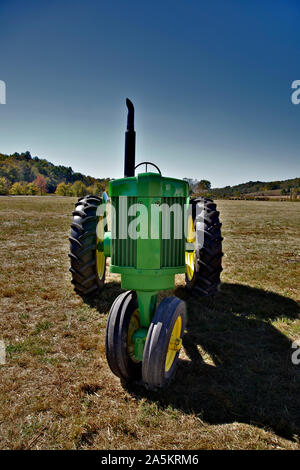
<point>24,169</point>
<point>20,173</point>
<point>257,188</point>
<point>290,187</point>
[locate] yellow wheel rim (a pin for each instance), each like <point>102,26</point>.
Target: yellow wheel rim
<point>190,264</point>
<point>174,344</point>
<point>134,325</point>
<point>100,258</point>
<point>190,255</point>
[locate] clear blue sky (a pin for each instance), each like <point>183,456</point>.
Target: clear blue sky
<point>210,80</point>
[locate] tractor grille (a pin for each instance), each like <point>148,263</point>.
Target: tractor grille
<point>172,250</point>
<point>123,250</point>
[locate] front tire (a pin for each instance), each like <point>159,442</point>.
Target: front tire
<point>123,321</point>
<point>163,343</point>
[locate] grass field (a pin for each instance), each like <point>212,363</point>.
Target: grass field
<point>236,387</point>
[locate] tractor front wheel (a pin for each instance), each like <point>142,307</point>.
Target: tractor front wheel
<point>163,343</point>
<point>123,321</point>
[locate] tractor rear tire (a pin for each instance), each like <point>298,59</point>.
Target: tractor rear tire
<point>83,249</point>
<point>204,278</point>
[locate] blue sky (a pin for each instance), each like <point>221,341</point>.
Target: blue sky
<point>210,80</point>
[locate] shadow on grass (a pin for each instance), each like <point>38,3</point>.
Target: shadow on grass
<point>239,365</point>
<point>105,299</point>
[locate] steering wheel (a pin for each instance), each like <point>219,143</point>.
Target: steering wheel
<point>148,163</point>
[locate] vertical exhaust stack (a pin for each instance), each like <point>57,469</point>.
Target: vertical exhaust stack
<point>129,141</point>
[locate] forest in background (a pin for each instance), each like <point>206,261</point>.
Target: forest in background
<point>288,189</point>
<point>20,173</point>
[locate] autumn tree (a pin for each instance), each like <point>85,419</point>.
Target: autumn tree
<point>63,189</point>
<point>96,189</point>
<point>78,189</point>
<point>4,185</point>
<point>17,189</point>
<point>41,183</point>
<point>204,185</point>
<point>31,189</point>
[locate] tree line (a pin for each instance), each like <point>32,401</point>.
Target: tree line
<point>290,187</point>
<point>20,173</point>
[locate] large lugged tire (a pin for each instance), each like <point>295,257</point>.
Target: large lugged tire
<point>204,265</point>
<point>83,247</point>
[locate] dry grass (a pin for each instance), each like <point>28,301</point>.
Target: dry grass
<point>236,387</point>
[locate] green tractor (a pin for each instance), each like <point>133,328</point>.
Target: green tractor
<point>156,231</point>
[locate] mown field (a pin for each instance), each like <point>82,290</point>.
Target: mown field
<point>236,387</point>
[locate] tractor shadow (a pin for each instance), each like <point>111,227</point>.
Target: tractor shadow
<point>104,301</point>
<point>236,364</point>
